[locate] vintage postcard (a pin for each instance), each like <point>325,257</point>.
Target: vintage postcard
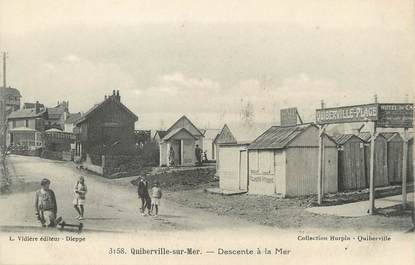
<point>207,132</point>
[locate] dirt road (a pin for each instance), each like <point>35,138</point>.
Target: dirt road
<point>109,207</point>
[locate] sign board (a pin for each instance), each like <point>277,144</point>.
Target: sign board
<point>399,115</point>
<point>288,117</point>
<point>359,113</point>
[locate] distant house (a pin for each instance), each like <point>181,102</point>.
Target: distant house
<point>12,96</point>
<point>25,126</point>
<point>158,136</point>
<point>30,105</point>
<point>182,136</point>
<point>57,115</point>
<point>209,136</point>
<point>233,140</point>
<point>57,140</point>
<point>107,128</point>
<point>70,121</point>
<point>142,137</point>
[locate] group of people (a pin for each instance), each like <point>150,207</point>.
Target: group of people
<point>150,203</point>
<point>46,208</point>
<point>198,153</point>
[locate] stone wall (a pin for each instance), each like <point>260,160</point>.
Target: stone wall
<point>27,152</point>
<point>120,165</point>
<point>54,155</point>
<point>67,155</point>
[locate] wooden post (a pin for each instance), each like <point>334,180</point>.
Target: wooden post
<point>404,167</point>
<point>372,171</point>
<point>181,152</point>
<point>320,165</point>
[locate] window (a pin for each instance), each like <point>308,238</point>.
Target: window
<point>27,123</point>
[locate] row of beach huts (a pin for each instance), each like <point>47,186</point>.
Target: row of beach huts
<point>283,161</point>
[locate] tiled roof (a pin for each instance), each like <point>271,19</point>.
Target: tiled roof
<point>365,136</point>
<point>341,139</point>
<point>388,135</point>
<point>25,113</point>
<point>55,113</point>
<point>99,105</point>
<point>72,117</point>
<point>278,137</point>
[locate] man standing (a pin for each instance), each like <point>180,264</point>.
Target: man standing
<point>171,157</point>
<point>45,204</point>
<point>142,190</point>
<point>198,153</point>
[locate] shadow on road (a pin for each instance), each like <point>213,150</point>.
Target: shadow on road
<point>37,229</point>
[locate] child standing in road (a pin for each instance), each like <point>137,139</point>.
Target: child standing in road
<point>155,197</point>
<point>80,191</point>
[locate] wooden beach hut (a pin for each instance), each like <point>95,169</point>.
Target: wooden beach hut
<point>380,159</point>
<point>351,162</point>
<point>394,153</point>
<point>283,161</point>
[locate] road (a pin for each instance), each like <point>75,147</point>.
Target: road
<point>109,207</point>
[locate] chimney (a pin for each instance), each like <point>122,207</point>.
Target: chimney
<point>118,97</point>
<point>37,107</point>
<point>376,98</point>
<point>322,104</point>
<point>113,92</point>
<point>105,97</point>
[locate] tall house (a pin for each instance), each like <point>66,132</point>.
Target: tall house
<point>107,128</point>
<point>12,96</point>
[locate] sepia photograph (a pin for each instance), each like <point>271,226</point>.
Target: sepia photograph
<point>207,132</point>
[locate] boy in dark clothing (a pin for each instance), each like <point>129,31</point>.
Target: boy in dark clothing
<point>142,190</point>
<point>45,204</point>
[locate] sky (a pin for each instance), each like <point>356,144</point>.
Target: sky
<point>214,61</point>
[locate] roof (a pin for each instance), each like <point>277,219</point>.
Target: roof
<point>278,137</point>
<point>210,133</point>
<point>11,91</point>
<point>161,133</point>
<point>185,119</point>
<point>176,131</point>
<point>225,136</point>
<point>73,117</point>
<point>388,135</point>
<point>25,113</point>
<point>365,136</point>
<point>92,110</point>
<point>29,105</point>
<point>55,112</point>
<point>341,139</point>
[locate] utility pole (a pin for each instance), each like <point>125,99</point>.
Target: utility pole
<point>321,165</point>
<point>3,107</point>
